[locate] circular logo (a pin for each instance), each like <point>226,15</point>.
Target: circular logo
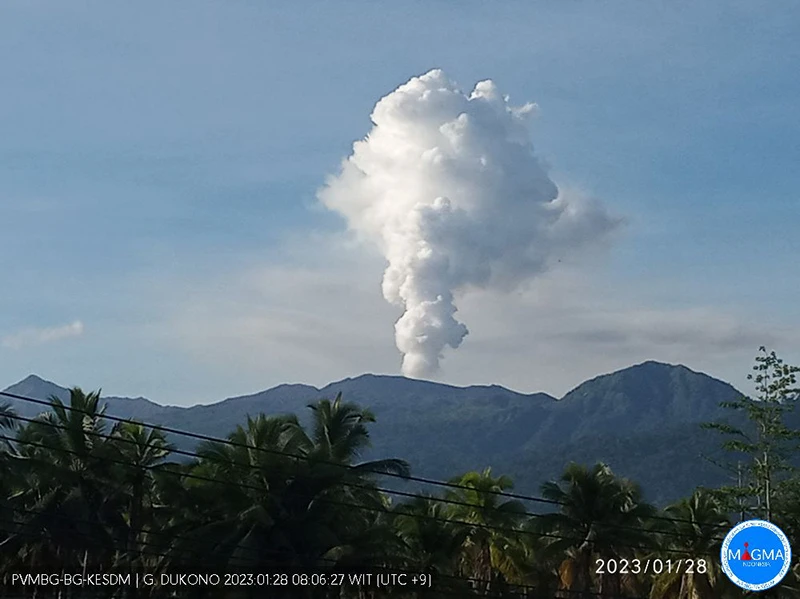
<point>756,555</point>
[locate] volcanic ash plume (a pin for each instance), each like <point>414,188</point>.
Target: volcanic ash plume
<point>448,187</point>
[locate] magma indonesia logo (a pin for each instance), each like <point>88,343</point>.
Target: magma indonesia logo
<point>756,555</point>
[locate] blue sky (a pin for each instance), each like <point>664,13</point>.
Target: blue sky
<point>159,164</point>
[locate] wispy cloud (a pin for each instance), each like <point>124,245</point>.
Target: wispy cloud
<point>326,320</point>
<point>40,336</point>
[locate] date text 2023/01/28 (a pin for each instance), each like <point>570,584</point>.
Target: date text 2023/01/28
<point>647,566</point>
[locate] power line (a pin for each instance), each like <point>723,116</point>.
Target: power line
<point>164,468</point>
<point>229,442</point>
<point>380,510</point>
<point>188,475</point>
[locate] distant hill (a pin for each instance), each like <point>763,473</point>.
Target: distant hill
<point>643,420</point>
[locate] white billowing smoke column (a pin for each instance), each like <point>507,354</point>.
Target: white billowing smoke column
<point>448,187</point>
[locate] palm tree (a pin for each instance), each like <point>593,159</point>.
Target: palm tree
<point>697,526</point>
<point>62,466</point>
<point>431,542</point>
<point>340,435</point>
<point>346,486</point>
<point>231,496</point>
<point>489,520</point>
<point>526,559</point>
<point>282,496</point>
<point>7,415</point>
<point>138,451</point>
<point>7,471</point>
<point>601,516</point>
<point>7,424</point>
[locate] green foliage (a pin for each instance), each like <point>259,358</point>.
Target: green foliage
<point>77,494</point>
<point>644,420</point>
<point>6,416</point>
<point>601,516</point>
<point>764,445</point>
<point>695,527</point>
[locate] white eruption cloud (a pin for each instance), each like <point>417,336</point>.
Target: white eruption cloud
<point>448,187</point>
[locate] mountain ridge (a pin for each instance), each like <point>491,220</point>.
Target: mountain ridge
<point>644,420</point>
<point>34,378</point>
